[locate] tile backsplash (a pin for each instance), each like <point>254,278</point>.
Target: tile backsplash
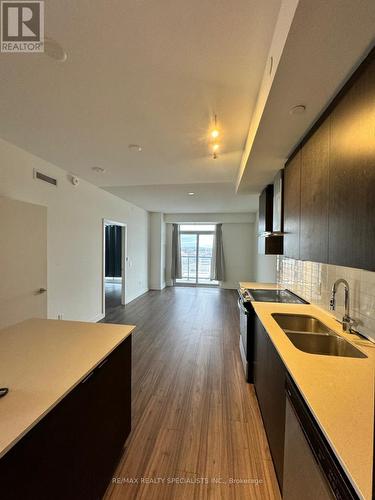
<point>313,282</point>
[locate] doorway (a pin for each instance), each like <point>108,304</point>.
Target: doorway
<point>114,264</point>
<point>196,247</point>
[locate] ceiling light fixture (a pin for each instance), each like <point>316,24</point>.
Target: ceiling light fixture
<point>215,131</point>
<point>191,194</point>
<point>214,135</point>
<point>98,170</point>
<point>135,147</point>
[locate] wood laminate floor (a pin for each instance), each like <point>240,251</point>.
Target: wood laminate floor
<point>196,429</point>
<point>112,295</point>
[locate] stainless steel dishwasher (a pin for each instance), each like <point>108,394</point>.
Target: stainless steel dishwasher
<point>311,469</point>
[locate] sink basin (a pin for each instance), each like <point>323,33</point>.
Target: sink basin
<point>310,335</point>
<point>300,323</point>
<point>328,344</point>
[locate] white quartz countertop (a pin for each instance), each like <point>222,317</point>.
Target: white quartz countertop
<point>43,360</point>
<point>339,391</point>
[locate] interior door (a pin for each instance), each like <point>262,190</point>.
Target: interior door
<point>23,261</point>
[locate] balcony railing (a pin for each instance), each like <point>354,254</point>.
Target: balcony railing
<point>189,268</point>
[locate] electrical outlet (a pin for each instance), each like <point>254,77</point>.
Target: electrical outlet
<point>60,316</point>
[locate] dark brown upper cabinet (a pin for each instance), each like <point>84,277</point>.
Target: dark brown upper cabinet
<point>314,195</point>
<point>292,206</point>
<point>352,175</point>
<point>331,177</point>
<point>268,244</point>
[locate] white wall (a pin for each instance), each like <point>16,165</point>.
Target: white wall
<point>238,253</point>
<point>264,265</point>
<point>157,251</point>
<point>210,218</point>
<point>75,233</point>
<point>238,243</point>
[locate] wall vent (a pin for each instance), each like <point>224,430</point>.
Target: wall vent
<point>44,177</point>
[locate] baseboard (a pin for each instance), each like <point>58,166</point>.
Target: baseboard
<point>228,285</point>
<point>158,287</point>
<point>97,318</point>
<point>137,297</point>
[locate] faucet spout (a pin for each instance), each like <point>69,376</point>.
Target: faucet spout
<point>347,321</point>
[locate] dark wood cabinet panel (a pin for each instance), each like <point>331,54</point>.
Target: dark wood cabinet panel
<point>110,400</point>
<point>266,209</point>
<point>270,245</point>
<point>72,452</point>
<point>276,415</point>
<point>260,365</point>
<point>315,195</point>
<point>352,175</point>
<point>292,206</point>
<point>269,382</point>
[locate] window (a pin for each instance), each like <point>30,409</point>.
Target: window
<point>196,253</point>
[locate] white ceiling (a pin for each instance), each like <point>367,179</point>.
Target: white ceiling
<point>151,73</point>
<point>174,198</point>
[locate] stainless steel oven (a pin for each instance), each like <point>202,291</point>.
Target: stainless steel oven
<point>246,338</point>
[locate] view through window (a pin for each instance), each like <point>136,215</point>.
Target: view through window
<point>196,253</point>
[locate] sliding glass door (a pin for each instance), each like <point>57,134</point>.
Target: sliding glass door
<point>196,254</point>
<point>189,247</point>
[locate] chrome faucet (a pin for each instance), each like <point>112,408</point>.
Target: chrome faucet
<point>347,321</point>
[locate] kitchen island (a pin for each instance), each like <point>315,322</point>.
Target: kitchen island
<point>67,414</point>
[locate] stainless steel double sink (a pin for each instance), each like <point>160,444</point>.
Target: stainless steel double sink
<point>310,335</point>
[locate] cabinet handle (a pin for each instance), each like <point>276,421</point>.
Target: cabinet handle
<point>87,377</point>
<point>102,363</point>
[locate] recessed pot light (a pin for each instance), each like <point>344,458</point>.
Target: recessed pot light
<point>98,170</point>
<point>53,49</point>
<point>297,110</point>
<point>191,194</point>
<point>135,147</point>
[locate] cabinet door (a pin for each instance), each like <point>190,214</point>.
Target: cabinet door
<point>269,381</point>
<point>315,195</point>
<point>352,175</point>
<point>261,366</point>
<point>109,394</point>
<point>292,206</point>
<point>276,409</point>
